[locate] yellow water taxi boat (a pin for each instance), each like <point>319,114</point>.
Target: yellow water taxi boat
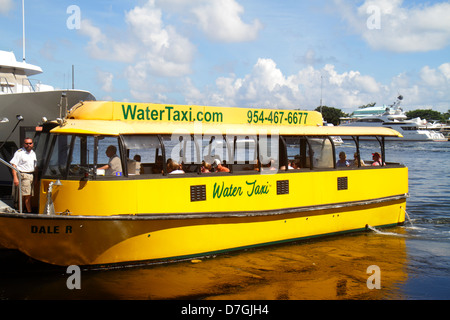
<point>190,181</point>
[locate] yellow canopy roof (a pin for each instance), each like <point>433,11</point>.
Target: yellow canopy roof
<point>115,118</point>
<point>103,127</point>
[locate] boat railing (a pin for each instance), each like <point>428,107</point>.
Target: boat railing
<point>28,83</point>
<point>20,182</point>
<point>5,85</point>
<point>24,85</point>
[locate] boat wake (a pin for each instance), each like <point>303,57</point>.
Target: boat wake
<point>385,233</point>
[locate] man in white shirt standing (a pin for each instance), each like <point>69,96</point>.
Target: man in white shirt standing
<point>25,161</point>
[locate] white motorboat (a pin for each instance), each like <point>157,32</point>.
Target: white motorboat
<point>393,117</point>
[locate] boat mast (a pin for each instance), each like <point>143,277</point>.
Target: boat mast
<point>23,28</point>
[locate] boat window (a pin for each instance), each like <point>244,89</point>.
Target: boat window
<point>103,143</point>
<point>322,152</point>
<point>410,128</point>
<point>59,153</point>
<point>244,152</point>
<point>144,154</point>
<point>182,150</point>
<point>81,155</point>
<point>42,144</point>
<point>309,152</point>
<point>269,152</point>
<point>215,147</point>
<point>297,152</point>
<point>370,120</point>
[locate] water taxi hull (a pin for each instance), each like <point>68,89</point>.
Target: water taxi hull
<point>71,240</point>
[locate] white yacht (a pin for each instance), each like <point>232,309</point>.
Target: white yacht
<point>393,117</point>
<point>27,101</point>
<point>20,95</point>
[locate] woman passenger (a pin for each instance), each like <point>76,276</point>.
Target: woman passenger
<point>206,167</point>
<point>357,158</point>
<point>342,162</point>
<point>377,159</point>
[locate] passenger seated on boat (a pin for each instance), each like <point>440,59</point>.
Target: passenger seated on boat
<point>357,158</point>
<point>137,158</point>
<point>294,164</point>
<point>114,166</point>
<point>342,162</point>
<point>377,159</point>
<point>174,168</point>
<point>289,167</point>
<point>206,167</point>
<point>134,166</point>
<point>217,165</point>
<point>270,165</point>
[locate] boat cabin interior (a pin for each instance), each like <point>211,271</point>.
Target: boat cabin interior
<point>143,156</point>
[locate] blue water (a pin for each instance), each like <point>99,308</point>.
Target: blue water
<point>414,259</point>
<point>428,241</point>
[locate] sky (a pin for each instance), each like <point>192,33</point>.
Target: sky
<point>287,54</point>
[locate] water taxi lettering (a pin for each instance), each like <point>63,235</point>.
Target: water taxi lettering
<point>169,113</point>
<point>50,229</point>
<point>252,188</point>
<point>257,189</point>
<point>222,191</point>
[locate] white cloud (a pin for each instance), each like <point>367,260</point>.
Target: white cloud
<point>154,47</point>
<point>221,20</point>
<point>106,80</point>
<point>6,6</point>
<point>148,46</point>
<point>267,86</point>
<point>164,51</point>
<point>431,77</point>
<point>433,88</point>
<point>445,70</point>
<point>158,59</point>
<point>401,28</point>
<point>102,47</point>
<point>435,79</point>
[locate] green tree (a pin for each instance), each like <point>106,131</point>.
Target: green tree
<point>427,114</point>
<point>331,115</point>
<point>447,115</point>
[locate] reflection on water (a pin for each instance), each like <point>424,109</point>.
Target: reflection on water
<point>332,268</point>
